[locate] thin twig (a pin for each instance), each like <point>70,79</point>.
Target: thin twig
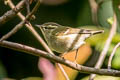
<point>112,54</point>
<point>11,13</point>
<point>20,25</point>
<point>94,9</point>
<point>37,52</point>
<point>27,6</point>
<point>63,71</point>
<point>106,47</point>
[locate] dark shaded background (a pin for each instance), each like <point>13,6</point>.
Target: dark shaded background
<point>72,13</point>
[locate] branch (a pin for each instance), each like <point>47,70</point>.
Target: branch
<point>20,25</point>
<point>94,9</point>
<point>12,13</point>
<point>37,52</point>
<point>112,54</point>
<point>106,47</point>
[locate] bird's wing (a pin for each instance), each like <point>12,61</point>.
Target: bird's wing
<point>68,30</point>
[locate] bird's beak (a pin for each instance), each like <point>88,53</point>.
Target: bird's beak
<point>97,32</point>
<point>37,25</point>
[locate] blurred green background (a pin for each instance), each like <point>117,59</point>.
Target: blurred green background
<point>74,13</point>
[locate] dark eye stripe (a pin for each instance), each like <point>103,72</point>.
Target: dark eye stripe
<point>49,27</point>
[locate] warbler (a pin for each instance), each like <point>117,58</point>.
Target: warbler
<point>63,39</point>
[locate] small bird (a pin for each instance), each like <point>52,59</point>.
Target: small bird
<point>63,39</point>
